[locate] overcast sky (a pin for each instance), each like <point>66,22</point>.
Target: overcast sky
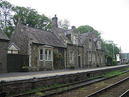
<point>110,17</point>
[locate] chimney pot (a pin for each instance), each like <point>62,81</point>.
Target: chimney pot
<point>55,21</point>
<point>73,27</point>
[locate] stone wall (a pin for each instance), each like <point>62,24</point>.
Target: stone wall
<point>75,56</point>
<point>59,58</point>
<point>58,61</point>
<point>3,56</point>
<point>36,63</point>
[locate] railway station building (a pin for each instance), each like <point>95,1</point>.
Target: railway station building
<point>57,49</point>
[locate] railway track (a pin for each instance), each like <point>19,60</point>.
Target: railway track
<point>125,94</point>
<point>114,90</point>
<point>61,89</point>
<point>52,91</point>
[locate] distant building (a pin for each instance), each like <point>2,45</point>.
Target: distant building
<point>3,52</point>
<point>124,57</point>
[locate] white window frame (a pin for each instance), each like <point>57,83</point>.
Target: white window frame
<point>90,45</point>
<point>46,56</point>
<point>41,54</point>
<point>99,44</point>
<point>12,51</point>
<point>89,57</point>
<point>71,57</point>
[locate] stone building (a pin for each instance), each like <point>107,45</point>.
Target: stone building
<point>39,45</point>
<point>3,52</point>
<point>87,47</point>
<point>93,52</point>
<point>58,48</point>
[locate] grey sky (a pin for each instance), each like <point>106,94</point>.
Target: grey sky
<point>110,17</point>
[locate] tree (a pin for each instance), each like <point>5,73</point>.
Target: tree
<point>6,17</point>
<point>87,28</point>
<point>111,50</point>
<point>31,18</point>
<point>11,14</point>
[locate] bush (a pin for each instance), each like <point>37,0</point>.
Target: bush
<point>114,63</point>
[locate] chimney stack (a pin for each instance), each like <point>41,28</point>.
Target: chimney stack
<point>55,21</point>
<point>73,27</point>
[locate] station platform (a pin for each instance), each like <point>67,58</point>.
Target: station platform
<point>42,74</point>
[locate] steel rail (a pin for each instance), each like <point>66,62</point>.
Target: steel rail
<point>97,93</point>
<point>125,94</point>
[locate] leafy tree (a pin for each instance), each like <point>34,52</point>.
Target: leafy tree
<point>11,14</point>
<point>111,50</point>
<point>6,17</point>
<point>31,18</point>
<point>87,28</point>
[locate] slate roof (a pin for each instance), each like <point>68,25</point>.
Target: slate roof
<point>89,35</point>
<point>3,36</point>
<point>60,34</point>
<point>37,36</point>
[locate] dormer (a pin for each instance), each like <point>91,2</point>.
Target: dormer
<point>13,49</point>
<point>99,45</point>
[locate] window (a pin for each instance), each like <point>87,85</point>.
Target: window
<point>12,51</point>
<point>93,57</point>
<point>89,57</point>
<point>71,57</point>
<point>41,54</point>
<point>46,54</point>
<point>99,45</point>
<point>74,40</point>
<point>90,44</point>
<point>49,55</point>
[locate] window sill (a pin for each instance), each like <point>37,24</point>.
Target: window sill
<point>45,60</point>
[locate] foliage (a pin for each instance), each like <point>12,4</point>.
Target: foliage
<point>111,49</point>
<point>10,15</point>
<point>57,57</point>
<point>87,28</point>
<point>39,93</point>
<point>25,68</point>
<point>113,73</point>
<point>31,18</point>
<point>6,23</point>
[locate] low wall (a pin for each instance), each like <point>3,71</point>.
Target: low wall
<point>14,87</point>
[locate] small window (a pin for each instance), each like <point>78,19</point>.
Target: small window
<point>41,54</point>
<point>89,57</point>
<point>49,55</point>
<point>71,57</point>
<point>12,51</point>
<point>45,54</point>
<point>90,45</point>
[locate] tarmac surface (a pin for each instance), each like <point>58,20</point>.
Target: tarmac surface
<point>41,74</point>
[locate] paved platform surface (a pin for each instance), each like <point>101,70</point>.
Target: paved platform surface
<point>29,75</point>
